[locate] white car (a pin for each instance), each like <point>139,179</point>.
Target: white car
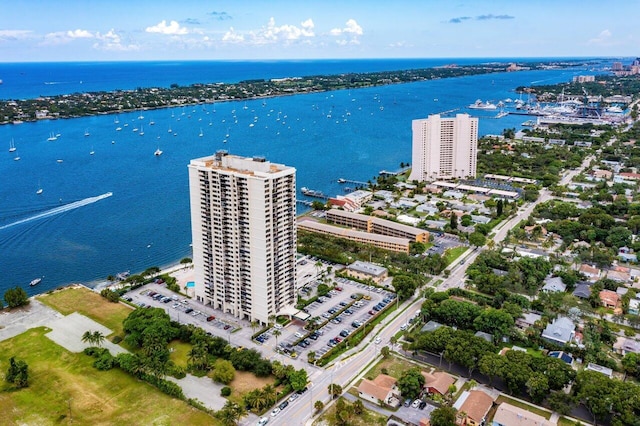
<point>404,326</point>
<point>299,335</point>
<point>416,403</point>
<point>378,340</point>
<point>275,412</point>
<point>263,421</point>
<point>277,326</point>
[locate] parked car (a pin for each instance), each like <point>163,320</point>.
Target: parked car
<point>188,310</point>
<point>211,318</point>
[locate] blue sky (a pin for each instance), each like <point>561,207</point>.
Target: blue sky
<point>97,30</point>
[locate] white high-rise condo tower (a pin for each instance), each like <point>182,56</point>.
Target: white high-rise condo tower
<point>243,224</point>
<point>444,148</point>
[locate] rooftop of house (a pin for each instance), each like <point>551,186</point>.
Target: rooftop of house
<point>475,403</point>
<point>510,415</point>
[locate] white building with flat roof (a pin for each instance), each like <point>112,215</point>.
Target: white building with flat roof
<point>243,224</point>
<point>444,148</point>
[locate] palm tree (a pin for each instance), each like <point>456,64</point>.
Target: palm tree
<point>87,337</point>
<point>311,356</point>
<point>230,413</point>
<point>276,333</point>
<point>254,326</point>
<point>98,338</point>
<point>272,319</point>
<point>270,394</point>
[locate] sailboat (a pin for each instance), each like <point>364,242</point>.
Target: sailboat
<point>86,132</point>
<point>92,151</point>
<point>52,137</point>
<point>141,131</point>
<point>116,121</point>
<point>39,191</point>
<point>12,146</point>
<point>201,134</point>
<point>158,152</point>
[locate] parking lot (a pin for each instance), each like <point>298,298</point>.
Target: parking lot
<point>414,414</point>
<point>444,243</point>
<point>341,312</point>
<point>183,310</point>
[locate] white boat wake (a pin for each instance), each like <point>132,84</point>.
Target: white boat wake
<point>58,210</point>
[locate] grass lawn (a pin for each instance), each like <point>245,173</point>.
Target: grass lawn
<point>90,304</point>
<point>179,353</point>
<point>452,254</point>
<point>527,407</point>
<point>395,367</point>
<point>365,419</point>
<point>563,421</point>
<point>65,389</point>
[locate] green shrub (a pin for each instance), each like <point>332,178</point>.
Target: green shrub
<point>116,339</point>
<point>225,391</point>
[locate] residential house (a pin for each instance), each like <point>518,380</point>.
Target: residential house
<point>510,415</point>
<point>560,332</point>
<point>486,336</point>
<point>438,382</point>
<point>381,389</point>
<point>620,274</point>
<point>428,209</point>
<point>600,369</point>
<point>582,290</point>
<point>473,407</point>
<point>627,255</point>
<point>624,345</point>
<point>591,272</point>
<point>365,270</point>
<point>527,320</point>
<point>634,306</point>
<point>430,326</point>
<point>480,219</point>
<point>554,285</point>
<point>610,299</point>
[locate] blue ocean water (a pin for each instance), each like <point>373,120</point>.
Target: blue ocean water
<point>65,235</point>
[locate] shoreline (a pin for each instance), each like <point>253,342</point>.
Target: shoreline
<point>84,104</point>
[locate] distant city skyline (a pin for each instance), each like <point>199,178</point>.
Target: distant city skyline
<point>72,30</point>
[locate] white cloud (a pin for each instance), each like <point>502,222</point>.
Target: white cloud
<point>173,28</point>
<point>603,39</point>
<point>13,35</point>
<point>351,27</point>
<point>112,41</point>
<point>79,34</point>
<point>232,36</point>
<point>273,33</point>
<point>352,31</point>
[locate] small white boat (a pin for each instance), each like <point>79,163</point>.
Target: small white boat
<point>141,131</point>
<point>16,159</point>
<point>92,151</point>
<point>39,191</point>
<point>52,137</point>
<point>12,146</point>
<point>158,152</point>
<point>86,132</point>
<point>35,282</point>
<point>118,128</point>
<point>59,160</point>
<point>201,134</point>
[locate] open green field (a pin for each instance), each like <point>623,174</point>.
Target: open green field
<point>452,254</point>
<point>90,304</point>
<point>395,367</point>
<point>179,353</point>
<point>65,389</point>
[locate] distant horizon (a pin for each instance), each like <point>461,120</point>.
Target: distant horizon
<point>520,58</point>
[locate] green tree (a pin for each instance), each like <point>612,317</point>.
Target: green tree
<point>16,297</point>
<point>495,322</point>
<point>17,373</point>
<point>491,365</point>
<point>335,390</point>
<point>411,382</point>
<point>443,416</point>
<point>223,371</point>
<point>453,221</point>
<point>384,351</point>
<point>405,286</point>
<point>631,364</point>
<point>560,402</point>
<point>230,413</point>
<point>477,239</point>
<point>499,208</point>
<point>537,387</point>
<point>98,338</point>
<point>298,379</point>
<point>87,337</point>
<point>358,407</point>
